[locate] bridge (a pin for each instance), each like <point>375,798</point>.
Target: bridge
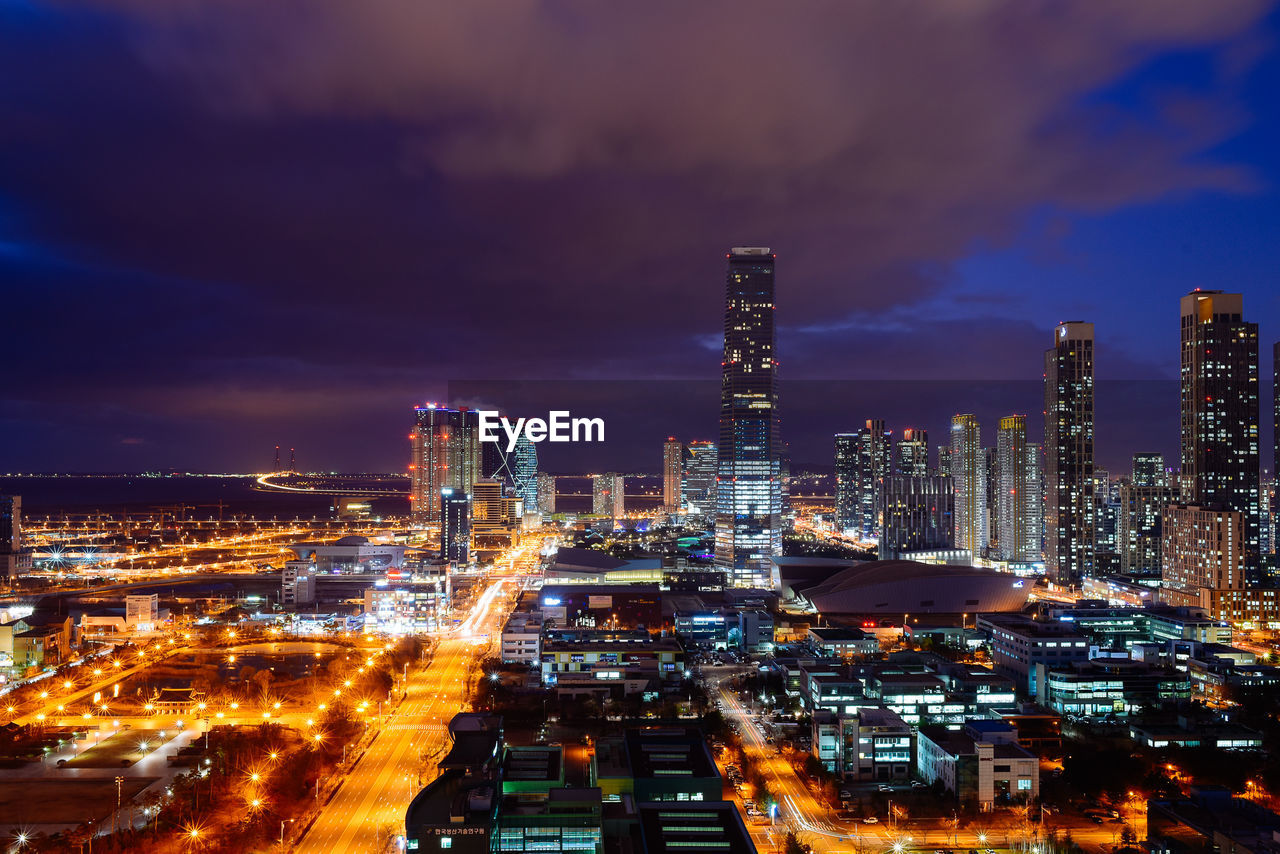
<point>265,482</point>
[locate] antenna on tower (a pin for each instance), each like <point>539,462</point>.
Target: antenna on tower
<point>293,466</point>
<point>276,467</point>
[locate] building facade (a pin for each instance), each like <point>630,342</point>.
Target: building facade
<point>1068,451</point>
<point>446,453</point>
<point>918,514</point>
<point>1019,498</point>
<point>672,471</point>
<point>748,530</point>
<point>968,465</point>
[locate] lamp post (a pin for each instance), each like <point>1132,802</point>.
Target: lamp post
<point>282,824</point>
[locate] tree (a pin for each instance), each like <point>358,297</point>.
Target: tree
<point>792,844</point>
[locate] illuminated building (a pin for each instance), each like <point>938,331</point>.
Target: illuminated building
<point>446,453</point>
<point>944,461</point>
<point>1019,499</point>
<point>297,583</point>
<point>608,495</point>
<point>1203,547</point>
<point>351,554</point>
<point>872,462</point>
<point>14,559</point>
<point>846,481</point>
<point>455,525</point>
<point>493,517</point>
<point>1220,452</point>
<point>969,476</point>
<point>404,609</point>
<point>1139,524</point>
<point>913,453</point>
<point>672,469</point>
<point>749,485</point>
<point>918,514</point>
<point>524,474</point>
<point>1149,470</point>
<point>699,477</point>
<point>1068,451</point>
<point>546,494</point>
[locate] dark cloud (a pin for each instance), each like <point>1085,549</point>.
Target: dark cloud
<point>240,212</point>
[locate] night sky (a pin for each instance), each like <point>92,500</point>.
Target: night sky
<point>230,224</point>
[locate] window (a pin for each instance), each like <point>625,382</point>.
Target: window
<point>1024,785</point>
<point>446,841</point>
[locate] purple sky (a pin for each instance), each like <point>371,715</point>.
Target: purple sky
<point>234,224</point>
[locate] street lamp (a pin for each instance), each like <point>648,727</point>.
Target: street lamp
<point>282,824</point>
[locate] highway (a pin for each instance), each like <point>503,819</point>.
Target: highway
<point>373,797</point>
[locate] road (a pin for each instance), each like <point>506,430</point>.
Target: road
<point>376,792</point>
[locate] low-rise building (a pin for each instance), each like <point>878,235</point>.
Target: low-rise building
<point>981,763</point>
<point>676,828</point>
<point>297,583</point>
<point>522,638</point>
<point>841,642</point>
<point>1110,686</point>
<point>656,764</point>
<point>610,663</point>
<point>872,744</point>
<point>1019,644</point>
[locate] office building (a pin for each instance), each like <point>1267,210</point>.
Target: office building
<point>608,496</point>
<point>524,474</point>
<point>1149,470</point>
<point>918,514</point>
<point>455,525</point>
<point>748,525</point>
<point>873,462</point>
<point>297,583</point>
<point>1068,452</point>
<point>1018,498</point>
<point>672,471</point>
<point>1019,644</point>
<point>1220,451</point>
<point>913,453</point>
<point>699,477</point>
<point>969,476</point>
<point>446,453</point>
<point>981,763</point>
<point>493,517</point>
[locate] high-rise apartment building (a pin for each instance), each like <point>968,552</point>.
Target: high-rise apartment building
<point>1204,547</point>
<point>918,515</point>
<point>1018,497</point>
<point>672,471</point>
<point>1140,525</point>
<point>875,463</point>
<point>546,494</point>
<point>913,453</point>
<point>1220,450</point>
<point>699,484</point>
<point>969,476</point>
<point>1149,470</point>
<point>493,516</point>
<point>446,453</point>
<point>1068,453</point>
<point>944,461</point>
<point>455,525</point>
<point>846,469</point>
<point>749,485</point>
<point>14,558</point>
<point>607,495</point>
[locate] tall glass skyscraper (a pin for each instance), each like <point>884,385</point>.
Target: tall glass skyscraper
<point>846,481</point>
<point>446,453</point>
<point>1068,454</point>
<point>698,481</point>
<point>749,483</point>
<point>1220,452</point>
<point>525,474</point>
<point>672,471</point>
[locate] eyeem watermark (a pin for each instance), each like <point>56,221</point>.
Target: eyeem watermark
<point>558,427</point>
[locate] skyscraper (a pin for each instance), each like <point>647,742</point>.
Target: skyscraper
<point>1068,451</point>
<point>14,559</point>
<point>749,485</point>
<point>546,494</point>
<point>1019,497</point>
<point>1220,452</point>
<point>455,525</point>
<point>607,495</point>
<point>875,463</point>
<point>969,475</point>
<point>944,461</point>
<point>672,470</point>
<point>446,453</point>
<point>913,453</point>
<point>699,478</point>
<point>846,481</point>
<point>524,473</point>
